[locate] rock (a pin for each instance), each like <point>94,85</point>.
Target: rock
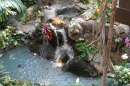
<point>46,50</point>
<point>67,12</point>
<point>49,13</point>
<point>37,84</point>
<point>97,63</point>
<point>33,47</point>
<point>87,14</point>
<point>81,5</point>
<point>80,67</point>
<point>76,0</point>
<point>116,57</point>
<point>79,27</point>
<point>1,85</point>
<point>75,30</point>
<point>122,29</point>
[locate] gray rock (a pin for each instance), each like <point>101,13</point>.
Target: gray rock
<point>1,85</point>
<point>67,12</point>
<point>122,29</point>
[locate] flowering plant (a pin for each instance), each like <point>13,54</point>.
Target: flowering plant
<point>48,33</point>
<point>127,42</point>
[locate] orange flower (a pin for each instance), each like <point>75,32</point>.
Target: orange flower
<point>19,82</point>
<point>97,9</point>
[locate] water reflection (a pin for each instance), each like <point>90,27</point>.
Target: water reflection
<point>23,65</point>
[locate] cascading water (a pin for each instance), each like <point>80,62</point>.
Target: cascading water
<point>65,49</point>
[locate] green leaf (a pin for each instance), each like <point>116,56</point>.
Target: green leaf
<point>23,38</point>
<point>1,66</point>
<point>15,42</point>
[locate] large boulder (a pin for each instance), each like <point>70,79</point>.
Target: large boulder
<point>80,67</point>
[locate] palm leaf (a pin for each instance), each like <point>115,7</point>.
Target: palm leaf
<point>6,7</point>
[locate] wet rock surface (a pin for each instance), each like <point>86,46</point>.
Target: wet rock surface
<point>81,67</point>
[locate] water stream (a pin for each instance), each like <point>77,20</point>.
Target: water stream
<point>23,65</point>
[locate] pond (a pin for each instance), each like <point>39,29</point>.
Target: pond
<point>24,65</point>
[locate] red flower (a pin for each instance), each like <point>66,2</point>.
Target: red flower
<point>41,9</point>
<point>48,36</point>
<point>45,28</point>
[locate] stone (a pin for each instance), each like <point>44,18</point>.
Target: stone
<point>122,29</point>
<point>1,85</point>
<point>75,30</point>
<point>97,63</point>
<point>67,12</point>
<point>81,5</point>
<point>46,50</point>
<point>116,57</point>
<point>77,0</point>
<point>80,67</point>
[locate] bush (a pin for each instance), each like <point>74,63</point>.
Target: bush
<point>29,3</point>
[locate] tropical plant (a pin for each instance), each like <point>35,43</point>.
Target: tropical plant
<point>10,7</point>
<point>85,48</point>
<point>1,71</point>
<point>10,37</point>
<point>84,1</point>
<point>29,2</point>
<point>123,74</point>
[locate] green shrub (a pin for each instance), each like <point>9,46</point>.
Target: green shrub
<point>85,48</point>
<point>29,2</point>
<point>123,74</point>
<point>10,37</point>
<point>9,7</point>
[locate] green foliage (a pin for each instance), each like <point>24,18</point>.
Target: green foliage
<point>123,74</point>
<point>2,73</point>
<point>85,48</point>
<point>3,24</point>
<point>84,1</point>
<point>97,10</point>
<point>10,37</point>
<point>26,17</point>
<point>29,2</point>
<point>125,49</point>
<point>74,27</point>
<point>31,15</point>
<point>9,7</point>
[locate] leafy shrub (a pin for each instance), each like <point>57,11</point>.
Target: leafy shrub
<point>85,48</point>
<point>84,1</point>
<point>123,74</point>
<point>3,24</point>
<point>10,7</point>
<point>97,11</point>
<point>29,2</point>
<point>10,37</point>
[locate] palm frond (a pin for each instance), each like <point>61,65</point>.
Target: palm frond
<point>6,7</point>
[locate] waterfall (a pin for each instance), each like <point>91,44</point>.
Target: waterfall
<point>65,49</point>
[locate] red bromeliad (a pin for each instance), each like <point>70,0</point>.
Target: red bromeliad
<point>45,28</point>
<point>41,9</point>
<point>48,35</point>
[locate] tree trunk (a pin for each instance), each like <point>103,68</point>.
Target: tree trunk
<point>42,16</point>
<point>110,36</point>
